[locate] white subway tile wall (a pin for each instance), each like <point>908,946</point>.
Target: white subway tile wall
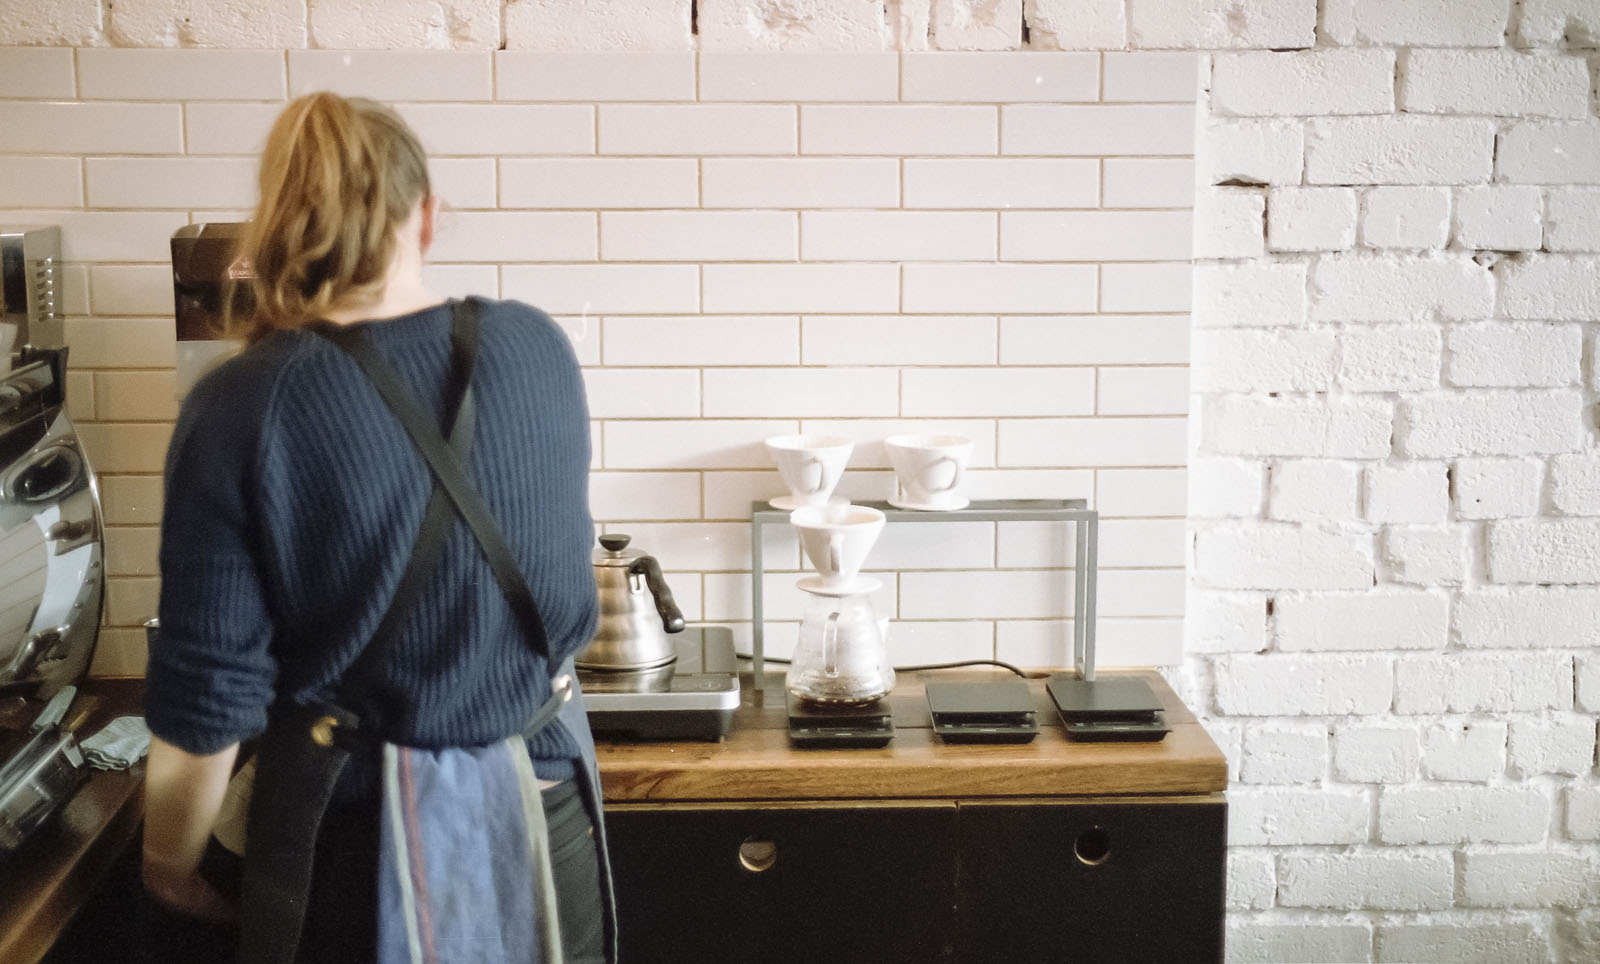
<point>740,245</point>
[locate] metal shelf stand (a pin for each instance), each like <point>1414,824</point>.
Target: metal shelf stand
<point>1086,528</point>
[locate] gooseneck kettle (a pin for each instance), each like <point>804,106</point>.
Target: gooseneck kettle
<point>637,610</point>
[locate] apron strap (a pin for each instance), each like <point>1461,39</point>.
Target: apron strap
<point>561,692</point>
<point>451,473</point>
<point>297,765</point>
<point>362,677</point>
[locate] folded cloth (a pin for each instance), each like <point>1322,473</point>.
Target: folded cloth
<point>123,742</point>
<point>464,872</point>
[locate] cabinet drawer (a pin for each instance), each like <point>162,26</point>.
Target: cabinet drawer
<point>1129,882</point>
<point>858,885</point>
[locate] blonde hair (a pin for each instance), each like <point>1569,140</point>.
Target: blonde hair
<point>338,177</point>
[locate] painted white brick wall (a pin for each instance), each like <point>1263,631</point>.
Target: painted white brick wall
<point>1497,488</point>
<point>1298,817</point>
<point>1395,301</point>
<point>1284,754</point>
<point>1420,23</point>
<point>1498,82</point>
<point>1252,880</point>
<point>1471,751</point>
<point>1428,241</point>
<point>1561,745</point>
<point>1311,218</point>
<point>1380,879</point>
<point>1415,492</point>
<point>1572,219</point>
<point>1512,939</point>
<point>1405,217</point>
<point>1425,555</point>
<point>1305,490</point>
<point>1499,218</point>
<point>1514,355</point>
<point>1491,879</point>
<point>1375,753</point>
<point>1458,815</point>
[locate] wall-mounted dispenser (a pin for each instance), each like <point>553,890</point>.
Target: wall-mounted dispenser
<point>204,260</point>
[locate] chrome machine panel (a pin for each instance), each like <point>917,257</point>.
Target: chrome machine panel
<point>52,572</point>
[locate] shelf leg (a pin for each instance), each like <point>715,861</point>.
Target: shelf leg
<point>757,654</point>
<point>1090,582</point>
<point>1080,537</point>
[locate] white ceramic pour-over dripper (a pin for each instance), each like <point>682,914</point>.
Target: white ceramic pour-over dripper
<point>929,470</point>
<point>810,466</point>
<point>836,539</point>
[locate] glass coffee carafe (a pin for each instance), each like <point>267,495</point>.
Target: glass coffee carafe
<point>841,658</point>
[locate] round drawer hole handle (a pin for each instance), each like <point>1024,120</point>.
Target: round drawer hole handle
<point>1093,847</point>
<point>757,855</point>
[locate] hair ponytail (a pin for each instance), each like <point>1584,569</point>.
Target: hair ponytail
<point>338,177</point>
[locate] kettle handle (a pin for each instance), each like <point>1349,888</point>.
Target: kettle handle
<point>671,616</point>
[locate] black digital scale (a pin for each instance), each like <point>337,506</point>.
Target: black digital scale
<point>1119,708</point>
<point>691,698</point>
<point>838,725</point>
<point>1000,711</point>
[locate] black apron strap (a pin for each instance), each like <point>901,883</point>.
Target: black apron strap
<point>362,677</point>
<point>560,692</point>
<point>451,473</point>
<point>298,762</point>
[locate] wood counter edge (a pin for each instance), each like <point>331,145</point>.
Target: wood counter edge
<point>756,763</point>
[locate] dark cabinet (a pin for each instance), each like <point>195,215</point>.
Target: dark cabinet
<point>1134,883</point>
<point>1023,882</point>
<point>775,884</point>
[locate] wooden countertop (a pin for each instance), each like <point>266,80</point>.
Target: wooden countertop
<point>45,883</point>
<point>756,762</point>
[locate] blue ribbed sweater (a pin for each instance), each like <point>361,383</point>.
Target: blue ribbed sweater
<point>293,498</point>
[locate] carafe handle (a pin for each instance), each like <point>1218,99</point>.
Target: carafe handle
<point>830,646</point>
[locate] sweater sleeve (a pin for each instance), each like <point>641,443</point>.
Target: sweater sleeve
<point>210,676</point>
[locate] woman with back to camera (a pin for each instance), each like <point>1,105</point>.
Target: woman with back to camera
<point>312,557</point>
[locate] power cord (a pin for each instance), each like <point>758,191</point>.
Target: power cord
<point>933,666</point>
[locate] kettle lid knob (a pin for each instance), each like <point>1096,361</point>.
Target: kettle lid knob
<point>615,541</point>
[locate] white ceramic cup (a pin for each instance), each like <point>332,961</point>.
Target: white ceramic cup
<point>810,465</point>
<point>837,538</point>
<point>929,469</point>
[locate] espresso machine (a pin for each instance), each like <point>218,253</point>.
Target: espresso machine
<point>52,573</point>
<point>52,576</point>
